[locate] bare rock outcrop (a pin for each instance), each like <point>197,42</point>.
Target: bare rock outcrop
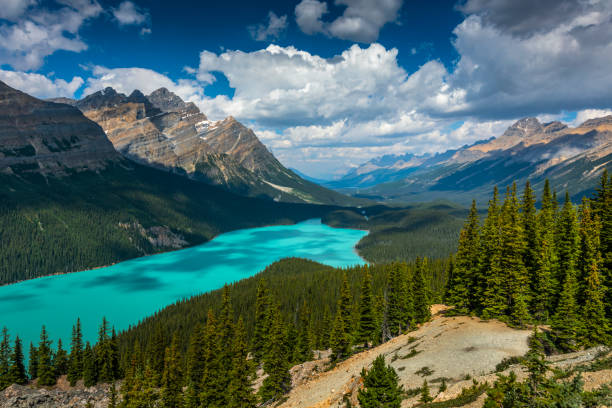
<point>46,137</point>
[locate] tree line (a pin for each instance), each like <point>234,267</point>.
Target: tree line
<point>548,266</point>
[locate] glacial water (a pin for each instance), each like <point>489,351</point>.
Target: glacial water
<point>131,290</point>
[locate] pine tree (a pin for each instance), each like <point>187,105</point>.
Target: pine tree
<point>463,293</point>
<point>262,320</point>
<point>596,326</point>
<point>425,393</point>
<point>75,369</point>
<point>90,372</point>
<point>543,280</point>
<point>603,210</point>
<point>346,305</point>
<point>172,377</point>
<point>491,273</point>
<point>396,298</point>
<point>422,311</point>
<point>17,372</point>
<point>565,323</point>
<point>380,386</point>
<point>240,388</point>
<point>5,359</point>
<point>303,344</point>
<point>225,337</point>
<point>60,360</point>
<point>529,222</point>
<point>33,362</point>
<point>46,374</point>
<point>114,356</point>
<point>104,354</point>
<point>196,360</point>
<point>276,364</point>
<point>567,244</point>
<point>156,353</point>
<point>326,328</point>
<point>512,250</point>
<point>339,342</point>
<point>211,387</point>
<point>145,393</point>
<point>367,324</point>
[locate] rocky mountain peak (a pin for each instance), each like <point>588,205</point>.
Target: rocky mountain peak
<point>166,101</point>
<point>524,127</point>
<point>37,136</point>
<point>105,98</point>
<point>606,120</point>
<point>553,127</point>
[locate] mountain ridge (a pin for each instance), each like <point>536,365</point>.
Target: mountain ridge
<point>572,158</point>
<point>163,131</point>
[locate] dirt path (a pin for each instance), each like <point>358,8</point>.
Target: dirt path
<point>450,347</point>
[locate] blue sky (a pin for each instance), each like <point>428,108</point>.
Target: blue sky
<point>327,85</point>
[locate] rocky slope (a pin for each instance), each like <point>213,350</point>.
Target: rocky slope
<point>572,158</point>
<point>45,137</point>
<point>163,131</point>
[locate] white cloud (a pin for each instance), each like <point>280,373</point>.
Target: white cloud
<point>32,36</point>
<point>39,85</point>
<point>563,68</point>
<point>361,21</point>
<point>270,31</point>
<point>308,15</point>
<point>126,80</point>
<point>12,9</point>
<point>130,14</point>
<point>586,114</point>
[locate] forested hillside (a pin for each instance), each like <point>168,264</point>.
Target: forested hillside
<point>521,265</point>
<point>403,233</point>
<point>552,266</point>
<point>54,225</point>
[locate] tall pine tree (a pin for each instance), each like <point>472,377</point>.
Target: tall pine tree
<point>491,273</point>
<point>596,326</point>
<point>367,323</point>
<point>171,384</point>
<point>241,389</point>
<point>46,374</point>
<point>17,370</point>
<point>75,369</point>
<point>463,293</point>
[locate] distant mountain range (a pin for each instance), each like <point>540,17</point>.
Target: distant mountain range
<point>163,131</point>
<point>571,158</point>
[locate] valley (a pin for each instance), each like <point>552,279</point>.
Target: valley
<point>305,204</point>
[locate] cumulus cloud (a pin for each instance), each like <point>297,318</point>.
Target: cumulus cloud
<point>39,85</point>
<point>270,30</point>
<point>500,74</point>
<point>526,17</point>
<point>361,20</point>
<point>126,80</point>
<point>30,37</point>
<point>129,13</point>
<point>12,9</point>
<point>308,15</point>
<point>586,114</point>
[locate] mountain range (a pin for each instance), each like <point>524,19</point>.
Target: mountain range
<point>163,131</point>
<point>69,201</point>
<point>571,158</point>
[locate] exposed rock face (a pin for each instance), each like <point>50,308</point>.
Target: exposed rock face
<point>19,396</point>
<point>46,137</point>
<point>163,131</point>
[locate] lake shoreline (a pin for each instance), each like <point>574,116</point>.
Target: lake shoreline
<point>180,249</point>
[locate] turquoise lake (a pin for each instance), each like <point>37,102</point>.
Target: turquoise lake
<point>129,291</point>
